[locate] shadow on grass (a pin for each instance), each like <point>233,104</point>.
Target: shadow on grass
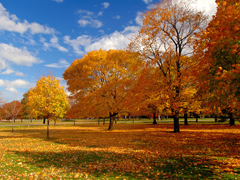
<point>136,152</point>
<point>105,164</point>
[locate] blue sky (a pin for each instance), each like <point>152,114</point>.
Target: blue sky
<point>40,37</point>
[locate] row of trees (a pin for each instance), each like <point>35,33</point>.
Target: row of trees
<point>178,63</point>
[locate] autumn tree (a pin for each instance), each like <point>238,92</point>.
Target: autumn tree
<point>48,100</point>
<point>12,110</point>
<point>100,82</point>
<point>146,94</point>
<point>1,99</point>
<point>26,110</point>
<point>217,55</point>
<point>166,40</point>
<point>1,106</point>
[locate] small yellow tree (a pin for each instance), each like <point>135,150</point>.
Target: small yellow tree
<point>48,100</point>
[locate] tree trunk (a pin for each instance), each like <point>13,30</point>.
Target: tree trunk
<point>74,122</point>
<point>154,118</point>
<point>99,120</point>
<point>44,120</point>
<point>129,117</point>
<point>13,123</point>
<point>104,121</point>
<point>176,122</point>
<point>21,120</point>
<point>196,118</point>
<point>47,128</point>
<point>112,119</point>
<point>185,118</point>
<point>215,117</point>
<point>232,120</point>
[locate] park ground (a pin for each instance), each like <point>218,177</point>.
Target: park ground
<point>202,150</point>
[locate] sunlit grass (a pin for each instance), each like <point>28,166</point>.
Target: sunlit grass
<point>131,151</point>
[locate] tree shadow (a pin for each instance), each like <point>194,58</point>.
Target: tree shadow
<point>104,164</point>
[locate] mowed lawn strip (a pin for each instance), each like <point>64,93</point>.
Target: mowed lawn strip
<point>131,151</point>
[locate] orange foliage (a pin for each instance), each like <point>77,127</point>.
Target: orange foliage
<point>100,81</point>
<point>11,110</point>
<point>165,41</point>
<point>217,59</point>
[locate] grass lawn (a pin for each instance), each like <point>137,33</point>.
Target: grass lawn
<point>131,151</point>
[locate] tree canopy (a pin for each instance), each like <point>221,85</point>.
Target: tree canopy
<point>166,40</point>
<point>217,54</point>
<point>100,82</point>
<point>48,99</point>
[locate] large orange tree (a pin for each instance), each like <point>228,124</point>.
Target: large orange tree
<point>217,55</point>
<point>100,81</point>
<point>166,41</point>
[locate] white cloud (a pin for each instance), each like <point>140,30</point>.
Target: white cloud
<point>58,1</point>
<point>17,73</point>
<point>91,22</point>
<point>11,86</point>
<point>79,43</point>
<point>138,19</point>
<point>61,64</point>
<point>209,6</point>
<point>10,71</point>
<point>116,40</point>
<point>100,13</point>
<point>10,22</point>
<point>19,83</point>
<point>88,19</point>
<point>147,1</point>
<point>12,89</point>
<point>3,64</point>
<point>105,5</point>
<point>86,12</point>
<point>117,17</point>
<point>83,22</point>
<point>2,82</point>
<point>53,43</point>
<point>16,55</point>
<point>101,31</point>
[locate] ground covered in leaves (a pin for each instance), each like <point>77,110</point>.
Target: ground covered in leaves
<point>131,151</point>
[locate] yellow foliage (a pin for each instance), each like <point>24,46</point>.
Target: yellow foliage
<point>48,99</point>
